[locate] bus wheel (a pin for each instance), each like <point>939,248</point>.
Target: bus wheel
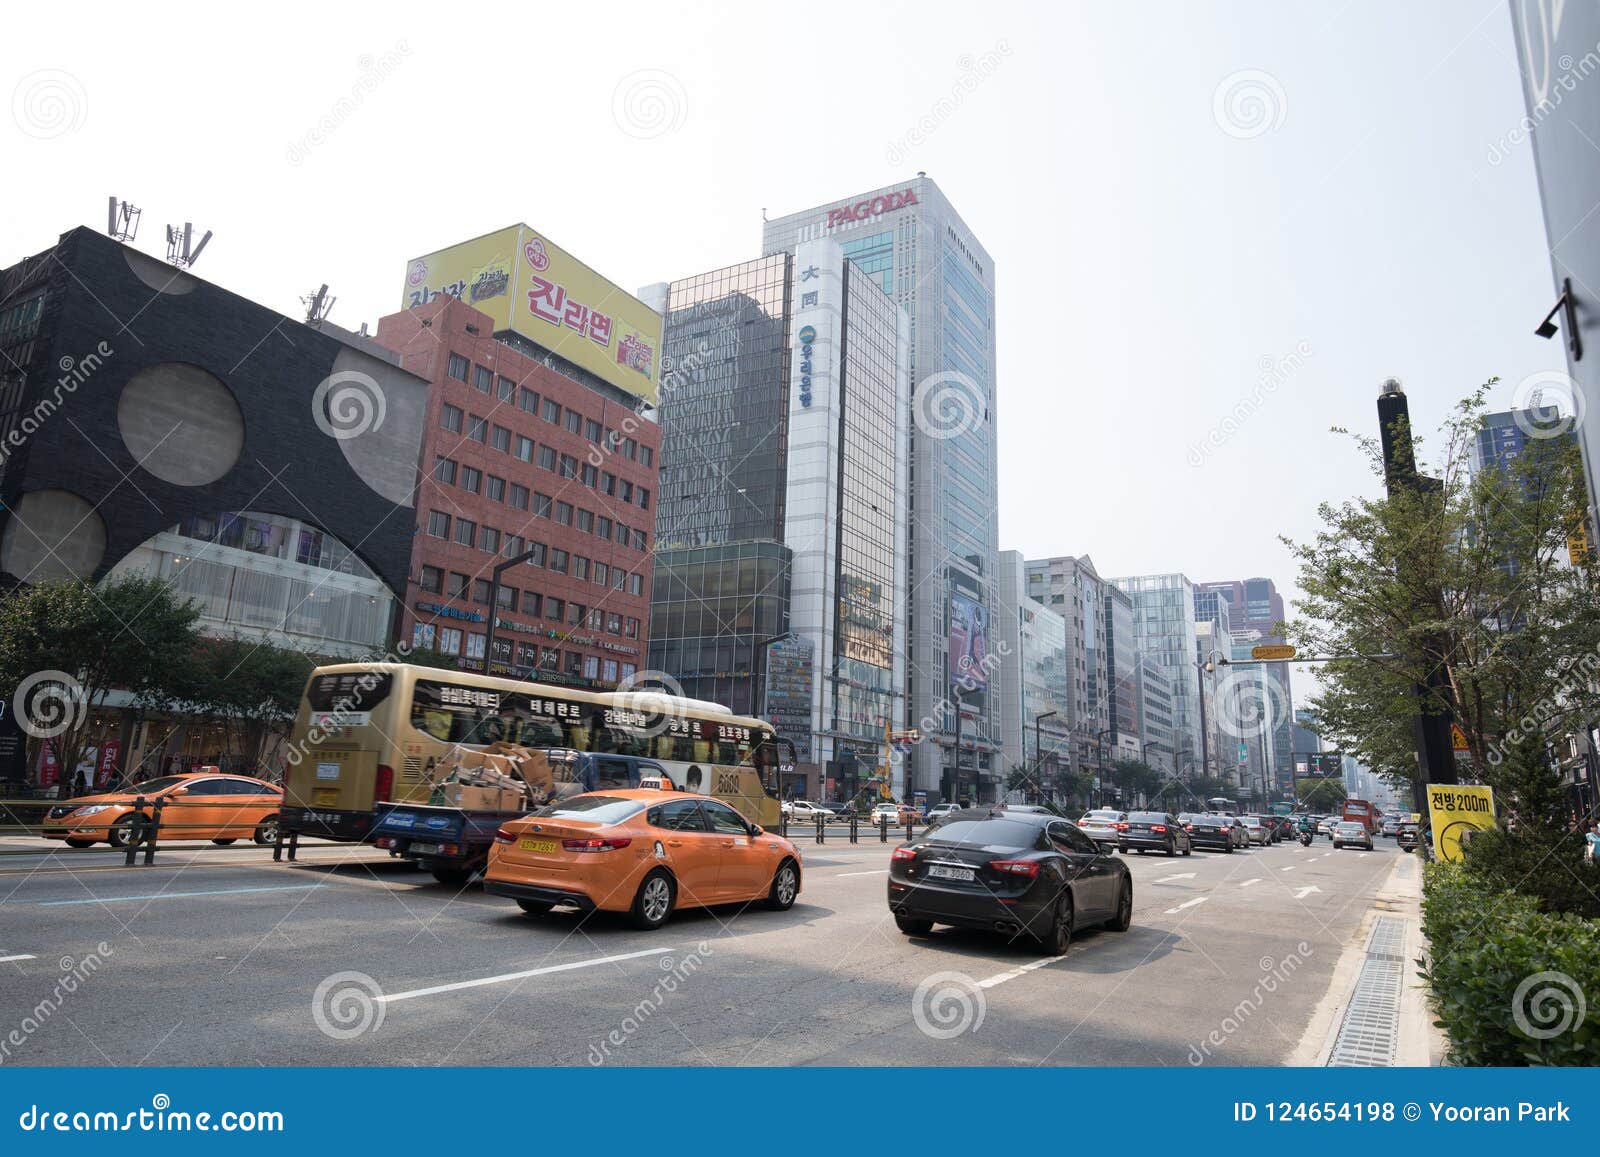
<point>785,887</point>
<point>653,903</point>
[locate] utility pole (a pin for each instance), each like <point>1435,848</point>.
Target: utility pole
<point>1436,761</point>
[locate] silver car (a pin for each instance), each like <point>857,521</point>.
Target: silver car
<point>1100,825</point>
<point>1353,835</point>
<point>1256,830</point>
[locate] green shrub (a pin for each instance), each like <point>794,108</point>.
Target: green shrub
<point>1541,862</point>
<point>1488,955</point>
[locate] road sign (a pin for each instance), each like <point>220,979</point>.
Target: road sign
<point>1455,812</point>
<point>1272,651</point>
<point>1458,738</point>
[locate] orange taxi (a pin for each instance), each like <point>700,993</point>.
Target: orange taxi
<point>197,806</point>
<point>641,851</point>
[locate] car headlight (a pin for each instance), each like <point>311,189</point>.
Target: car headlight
<point>92,809</point>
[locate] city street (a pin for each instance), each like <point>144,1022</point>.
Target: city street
<point>212,957</point>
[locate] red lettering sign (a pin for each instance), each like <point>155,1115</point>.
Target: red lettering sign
<point>876,207</point>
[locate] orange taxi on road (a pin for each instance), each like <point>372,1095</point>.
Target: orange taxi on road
<point>197,806</point>
<point>641,851</point>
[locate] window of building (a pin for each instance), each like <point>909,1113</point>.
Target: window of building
<point>450,640</point>
<point>542,504</point>
<point>580,567</point>
<point>532,603</point>
<point>438,524</point>
<point>558,561</point>
<point>457,367</point>
<point>483,378</point>
<point>529,401</point>
<point>508,598</point>
<point>569,466</point>
<point>629,670</point>
<point>502,439</point>
<point>645,455</point>
<point>618,577</point>
<point>444,469</point>
<point>496,491</point>
<point>466,532</point>
<point>590,474</point>
<point>614,623</point>
<point>474,646</point>
<point>591,429</point>
<point>597,619</point>
<point>480,591</point>
<point>547,457</point>
<point>638,540</point>
<point>635,584</point>
<point>610,675</point>
<point>564,513</point>
<point>549,659</point>
<point>471,479</point>
<point>608,483</point>
<point>574,664</point>
<point>586,521</point>
<point>591,666</point>
<point>573,422</point>
<point>505,389</point>
<point>620,537</point>
<point>602,527</point>
<point>602,573</point>
<point>644,499</point>
<point>519,497</point>
<point>554,608</point>
<point>575,614</point>
<point>524,448</point>
<point>460,585</point>
<point>630,449</point>
<point>477,428</point>
<point>450,417</point>
<point>489,540</point>
<point>536,553</point>
<point>422,634</point>
<point>432,580</point>
<point>630,628</point>
<point>551,412</point>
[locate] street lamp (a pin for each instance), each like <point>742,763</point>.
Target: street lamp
<point>1038,742</point>
<point>494,601</point>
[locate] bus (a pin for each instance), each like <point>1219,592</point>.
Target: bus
<point>371,733</point>
<point>1359,811</point>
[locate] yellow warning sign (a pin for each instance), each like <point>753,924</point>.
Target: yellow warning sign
<point>1458,738</point>
<point>1455,812</point>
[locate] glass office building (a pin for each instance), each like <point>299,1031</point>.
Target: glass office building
<point>910,241</point>
<point>1163,624</point>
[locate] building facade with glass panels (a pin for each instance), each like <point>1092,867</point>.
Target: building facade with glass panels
<point>910,241</point>
<point>1163,624</point>
<point>1256,610</point>
<point>1033,680</point>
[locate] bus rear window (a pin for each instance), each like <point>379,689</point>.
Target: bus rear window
<point>348,690</point>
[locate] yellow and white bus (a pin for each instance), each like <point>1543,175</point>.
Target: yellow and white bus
<point>370,733</point>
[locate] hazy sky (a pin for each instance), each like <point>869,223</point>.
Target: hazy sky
<point>1176,196</point>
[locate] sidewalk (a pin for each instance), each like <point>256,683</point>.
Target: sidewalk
<point>1376,1010</point>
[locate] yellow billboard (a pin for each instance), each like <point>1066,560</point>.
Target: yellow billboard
<point>531,286</point>
<point>1455,811</point>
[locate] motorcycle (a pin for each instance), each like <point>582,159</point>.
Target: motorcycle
<point>1305,838</point>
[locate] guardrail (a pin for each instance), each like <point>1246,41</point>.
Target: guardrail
<point>820,827</point>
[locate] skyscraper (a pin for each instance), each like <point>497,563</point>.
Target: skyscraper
<point>910,240</point>
<point>1255,610</point>
<point>1163,624</point>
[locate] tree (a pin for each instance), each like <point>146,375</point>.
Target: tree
<point>1324,794</point>
<point>65,646</point>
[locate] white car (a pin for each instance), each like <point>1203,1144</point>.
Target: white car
<point>1256,830</point>
<point>1100,825</point>
<point>1349,834</point>
<point>940,810</point>
<point>895,813</point>
<point>803,811</point>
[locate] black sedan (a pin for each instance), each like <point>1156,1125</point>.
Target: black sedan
<point>1016,873</point>
<point>1157,831</point>
<point>1213,832</point>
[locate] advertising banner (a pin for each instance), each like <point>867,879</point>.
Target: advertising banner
<point>528,284</point>
<point>969,644</point>
<point>1455,812</point>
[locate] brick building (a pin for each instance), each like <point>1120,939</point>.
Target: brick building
<point>518,455</point>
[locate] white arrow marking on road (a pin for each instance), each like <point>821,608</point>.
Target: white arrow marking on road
<point>9,959</point>
<point>1179,876</point>
<point>1188,904</point>
<point>1306,891</point>
<point>1290,868</point>
<point>1247,883</point>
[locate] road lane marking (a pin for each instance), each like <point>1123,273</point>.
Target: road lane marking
<point>1361,855</point>
<point>874,872</point>
<point>1290,868</point>
<point>1188,904</point>
<point>175,895</point>
<point>10,959</point>
<point>390,998</point>
<point>1247,883</point>
<point>1179,876</point>
<point>1002,977</point>
<point>1306,891</point>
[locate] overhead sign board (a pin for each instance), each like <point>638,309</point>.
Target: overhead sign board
<point>1268,652</point>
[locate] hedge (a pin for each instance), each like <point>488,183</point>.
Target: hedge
<point>1489,953</point>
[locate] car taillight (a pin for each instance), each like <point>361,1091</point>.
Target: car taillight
<point>501,836</point>
<point>1029,868</point>
<point>1188,827</point>
<point>597,844</point>
<point>903,854</point>
<point>383,784</point>
<point>1158,827</point>
<point>1120,827</point>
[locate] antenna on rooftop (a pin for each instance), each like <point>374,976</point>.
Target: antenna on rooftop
<point>122,220</point>
<point>181,250</point>
<point>318,305</point>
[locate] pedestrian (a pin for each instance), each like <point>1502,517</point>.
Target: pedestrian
<point>1591,842</point>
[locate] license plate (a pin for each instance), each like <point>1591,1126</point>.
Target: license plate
<point>424,849</point>
<point>940,872</point>
<point>532,845</point>
<point>325,797</point>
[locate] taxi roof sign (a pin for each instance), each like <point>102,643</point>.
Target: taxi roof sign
<point>1272,651</point>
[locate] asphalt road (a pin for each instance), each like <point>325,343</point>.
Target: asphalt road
<point>220,957</point>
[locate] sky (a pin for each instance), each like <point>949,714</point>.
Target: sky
<point>1216,227</point>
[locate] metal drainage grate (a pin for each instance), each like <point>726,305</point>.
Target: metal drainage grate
<point>1367,1035</point>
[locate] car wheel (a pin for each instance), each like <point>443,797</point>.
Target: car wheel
<point>1124,916</point>
<point>1337,845</point>
<point>912,926</point>
<point>1229,848</point>
<point>1188,848</point>
<point>267,831</point>
<point>1059,938</point>
<point>225,843</point>
<point>535,907</point>
<point>120,834</point>
<point>80,843</point>
<point>653,904</point>
<point>1172,847</point>
<point>452,876</point>
<point>785,887</point>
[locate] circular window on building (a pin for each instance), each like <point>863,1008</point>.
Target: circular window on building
<point>52,536</point>
<point>181,424</point>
